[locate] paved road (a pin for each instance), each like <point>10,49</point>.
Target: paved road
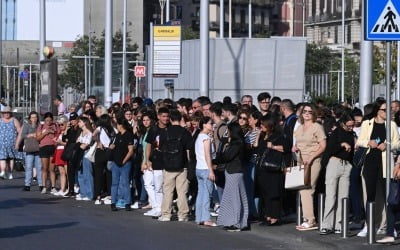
<point>30,220</point>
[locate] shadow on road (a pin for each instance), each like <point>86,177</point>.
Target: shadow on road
<point>13,203</point>
<point>18,231</point>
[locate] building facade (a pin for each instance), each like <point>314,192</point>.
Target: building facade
<point>324,23</point>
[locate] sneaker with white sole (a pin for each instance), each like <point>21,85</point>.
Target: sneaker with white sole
<point>135,205</point>
<point>76,189</point>
<point>363,232</point>
<point>149,213</point>
<point>386,240</point>
<point>10,176</point>
<point>2,174</point>
<point>53,191</point>
<point>97,202</point>
<point>107,202</point>
<point>381,231</point>
<point>161,218</point>
<point>86,199</point>
<point>44,190</point>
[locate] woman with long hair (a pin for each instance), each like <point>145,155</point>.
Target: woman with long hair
<point>104,135</point>
<point>337,159</point>
<point>269,183</point>
<point>122,151</point>
<point>45,134</point>
<point>32,159</point>
<point>310,144</point>
<point>204,172</point>
<point>233,211</point>
<point>373,136</point>
<point>85,174</point>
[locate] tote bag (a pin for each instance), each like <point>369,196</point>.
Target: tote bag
<point>91,152</point>
<point>299,176</point>
<point>31,145</point>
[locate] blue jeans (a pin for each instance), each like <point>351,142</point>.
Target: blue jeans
<point>33,160</point>
<point>248,177</point>
<point>85,179</point>
<point>120,182</point>
<point>355,193</point>
<point>205,188</point>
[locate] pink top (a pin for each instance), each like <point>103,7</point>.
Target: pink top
<point>48,140</point>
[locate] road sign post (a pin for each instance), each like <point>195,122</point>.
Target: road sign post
<point>382,23</point>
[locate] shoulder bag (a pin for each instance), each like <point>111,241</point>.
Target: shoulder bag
<point>299,176</point>
<point>31,145</point>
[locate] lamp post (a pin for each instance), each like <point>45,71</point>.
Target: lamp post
<point>343,41</point>
<point>162,5</point>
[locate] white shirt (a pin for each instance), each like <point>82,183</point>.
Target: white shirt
<point>85,139</point>
<point>199,149</point>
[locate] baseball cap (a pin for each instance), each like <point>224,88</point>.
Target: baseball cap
<point>73,116</point>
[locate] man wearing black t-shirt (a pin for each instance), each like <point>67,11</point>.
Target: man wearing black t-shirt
<point>155,161</point>
<point>175,145</point>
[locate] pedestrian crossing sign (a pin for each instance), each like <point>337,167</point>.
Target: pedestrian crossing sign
<point>382,20</point>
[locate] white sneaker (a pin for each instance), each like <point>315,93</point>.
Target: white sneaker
<point>153,213</point>
<point>62,194</point>
<point>85,199</point>
<point>10,176</point>
<point>78,196</point>
<point>381,231</point>
<point>395,233</point>
<point>97,202</point>
<point>161,218</point>
<point>53,191</point>
<point>107,202</point>
<point>76,189</point>
<point>363,232</point>
<point>44,190</point>
<point>135,205</point>
<point>2,174</point>
<point>157,213</point>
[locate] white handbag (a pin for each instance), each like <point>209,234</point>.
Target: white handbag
<point>91,152</point>
<point>298,177</point>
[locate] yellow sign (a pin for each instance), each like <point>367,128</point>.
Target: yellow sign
<point>167,31</point>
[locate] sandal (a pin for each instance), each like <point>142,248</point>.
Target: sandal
<point>306,226</point>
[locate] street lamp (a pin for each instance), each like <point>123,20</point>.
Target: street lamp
<point>343,41</point>
<point>162,5</point>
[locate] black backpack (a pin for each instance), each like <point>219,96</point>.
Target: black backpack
<point>173,153</point>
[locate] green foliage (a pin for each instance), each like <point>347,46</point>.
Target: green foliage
<point>189,34</point>
<point>318,59</point>
<point>73,74</point>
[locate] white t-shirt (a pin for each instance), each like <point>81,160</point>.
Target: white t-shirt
<point>85,139</point>
<point>199,149</point>
<point>104,138</point>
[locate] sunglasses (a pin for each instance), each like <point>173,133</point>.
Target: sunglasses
<point>308,112</point>
<point>61,124</point>
<point>243,118</point>
<point>384,110</point>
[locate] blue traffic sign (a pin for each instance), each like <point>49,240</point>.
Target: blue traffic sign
<point>382,20</point>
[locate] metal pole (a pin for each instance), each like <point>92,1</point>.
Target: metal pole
<point>108,54</point>
<point>124,71</point>
<point>30,87</point>
<point>345,217</point>
<point>338,85</point>
<point>137,84</point>
<point>204,47</point>
<point>230,18</point>
<point>167,7</point>
<point>150,66</point>
<point>86,81</point>
<point>365,91</point>
<point>162,5</point>
<point>298,209</point>
<point>304,16</point>
<point>8,84</point>
<point>388,116</point>
<point>371,222</point>
<point>250,18</point>
<point>14,91</point>
<point>321,205</point>
<point>221,18</point>
<point>343,41</point>
<point>36,92</point>
<point>42,43</point>
<point>90,48</point>
<point>398,72</point>
<point>19,89</point>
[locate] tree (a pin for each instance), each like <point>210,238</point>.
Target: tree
<point>73,74</point>
<point>189,34</point>
<point>318,59</point>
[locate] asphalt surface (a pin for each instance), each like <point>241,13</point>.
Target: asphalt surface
<point>30,220</point>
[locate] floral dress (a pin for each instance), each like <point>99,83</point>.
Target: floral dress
<point>8,135</point>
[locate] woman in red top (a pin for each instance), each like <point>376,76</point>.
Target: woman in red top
<point>46,134</point>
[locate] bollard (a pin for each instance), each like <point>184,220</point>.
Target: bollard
<point>298,210</point>
<point>345,217</point>
<point>371,222</point>
<point>321,205</point>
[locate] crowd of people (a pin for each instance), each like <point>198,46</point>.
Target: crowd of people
<point>209,157</point>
